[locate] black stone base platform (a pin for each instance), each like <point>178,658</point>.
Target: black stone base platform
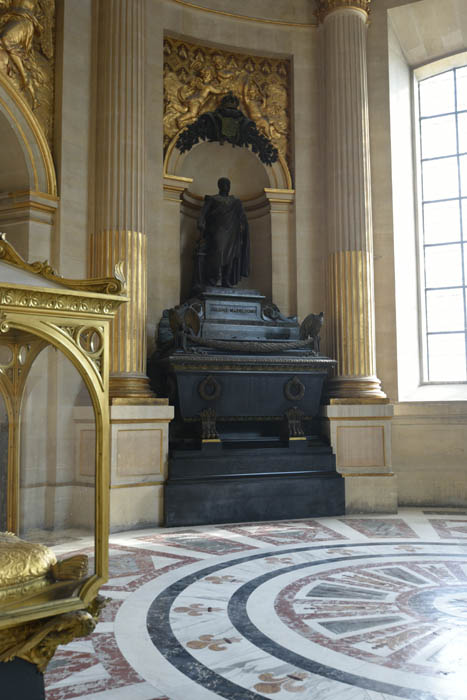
<point>222,485</point>
<point>246,383</point>
<point>20,680</point>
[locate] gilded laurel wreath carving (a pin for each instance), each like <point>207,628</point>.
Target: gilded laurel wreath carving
<point>27,41</point>
<point>196,77</point>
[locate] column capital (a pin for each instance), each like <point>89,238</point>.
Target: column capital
<point>325,7</point>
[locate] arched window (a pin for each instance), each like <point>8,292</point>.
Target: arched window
<point>441,102</point>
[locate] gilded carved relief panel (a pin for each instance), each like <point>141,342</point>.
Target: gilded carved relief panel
<point>27,40</point>
<point>196,77</point>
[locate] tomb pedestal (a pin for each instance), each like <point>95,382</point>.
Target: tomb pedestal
<point>244,444</point>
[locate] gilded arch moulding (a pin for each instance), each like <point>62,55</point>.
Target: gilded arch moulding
<point>196,77</point>
<point>31,137</point>
<point>278,173</point>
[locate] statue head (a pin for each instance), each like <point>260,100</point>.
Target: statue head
<point>230,101</point>
<point>223,184</point>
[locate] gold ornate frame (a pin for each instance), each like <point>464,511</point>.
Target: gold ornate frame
<point>52,314</point>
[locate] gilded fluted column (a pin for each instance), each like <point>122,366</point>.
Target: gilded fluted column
<point>119,232</point>
<point>349,220</point>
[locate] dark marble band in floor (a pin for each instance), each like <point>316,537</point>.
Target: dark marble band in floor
<point>162,637</point>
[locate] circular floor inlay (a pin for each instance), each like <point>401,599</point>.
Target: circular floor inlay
<point>384,617</point>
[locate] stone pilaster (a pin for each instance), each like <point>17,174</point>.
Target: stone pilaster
<point>349,220</point>
<point>119,232</point>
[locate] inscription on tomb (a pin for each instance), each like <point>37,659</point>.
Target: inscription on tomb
<point>219,309</point>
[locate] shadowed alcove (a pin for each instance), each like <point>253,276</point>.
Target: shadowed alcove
<point>205,164</point>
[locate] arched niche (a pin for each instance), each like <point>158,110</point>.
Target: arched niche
<point>16,173</point>
<point>23,134</point>
<point>204,165</point>
<point>278,174</point>
<point>28,186</point>
<point>268,199</point>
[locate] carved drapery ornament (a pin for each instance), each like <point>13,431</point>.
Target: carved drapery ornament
<point>324,7</point>
<point>228,123</point>
<point>27,41</point>
<point>28,571</point>
<point>197,77</point>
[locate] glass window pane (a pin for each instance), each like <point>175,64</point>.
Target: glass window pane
<point>441,221</point>
<point>440,179</point>
<point>439,136</point>
<point>443,266</point>
<point>461,80</point>
<point>437,94</point>
<point>445,310</point>
<point>463,169</point>
<point>446,358</point>
<point>464,218</point>
<point>462,131</point>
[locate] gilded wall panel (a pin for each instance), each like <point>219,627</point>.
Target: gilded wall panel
<point>27,54</point>
<point>195,78</point>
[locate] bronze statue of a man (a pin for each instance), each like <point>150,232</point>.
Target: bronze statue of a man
<point>224,247</point>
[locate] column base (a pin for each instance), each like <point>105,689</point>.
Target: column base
<point>360,435</point>
<point>354,388</point>
<point>130,386</point>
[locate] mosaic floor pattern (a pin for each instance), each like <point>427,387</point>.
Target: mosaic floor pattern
<point>348,608</point>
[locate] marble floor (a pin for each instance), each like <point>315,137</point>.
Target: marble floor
<point>346,608</point>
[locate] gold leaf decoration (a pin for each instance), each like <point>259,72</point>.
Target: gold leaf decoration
<point>27,41</point>
<point>196,77</point>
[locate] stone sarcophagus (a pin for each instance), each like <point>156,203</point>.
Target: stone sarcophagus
<point>246,383</point>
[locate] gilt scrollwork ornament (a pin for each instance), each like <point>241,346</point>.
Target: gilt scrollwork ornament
<point>4,325</point>
<point>196,78</point>
<point>27,41</point>
<point>102,285</point>
<point>37,641</point>
<point>325,7</point>
<point>90,340</point>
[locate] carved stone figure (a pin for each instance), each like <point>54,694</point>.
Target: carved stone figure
<point>223,254</point>
<point>256,105</point>
<point>197,94</point>
<point>20,22</point>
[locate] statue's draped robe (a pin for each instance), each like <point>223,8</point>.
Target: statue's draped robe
<point>225,227</point>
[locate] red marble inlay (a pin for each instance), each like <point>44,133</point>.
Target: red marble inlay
<point>286,533</point>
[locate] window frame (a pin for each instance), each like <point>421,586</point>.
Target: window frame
<point>419,74</point>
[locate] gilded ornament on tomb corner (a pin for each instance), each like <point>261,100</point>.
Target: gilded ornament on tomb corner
<point>197,77</point>
<point>27,29</point>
